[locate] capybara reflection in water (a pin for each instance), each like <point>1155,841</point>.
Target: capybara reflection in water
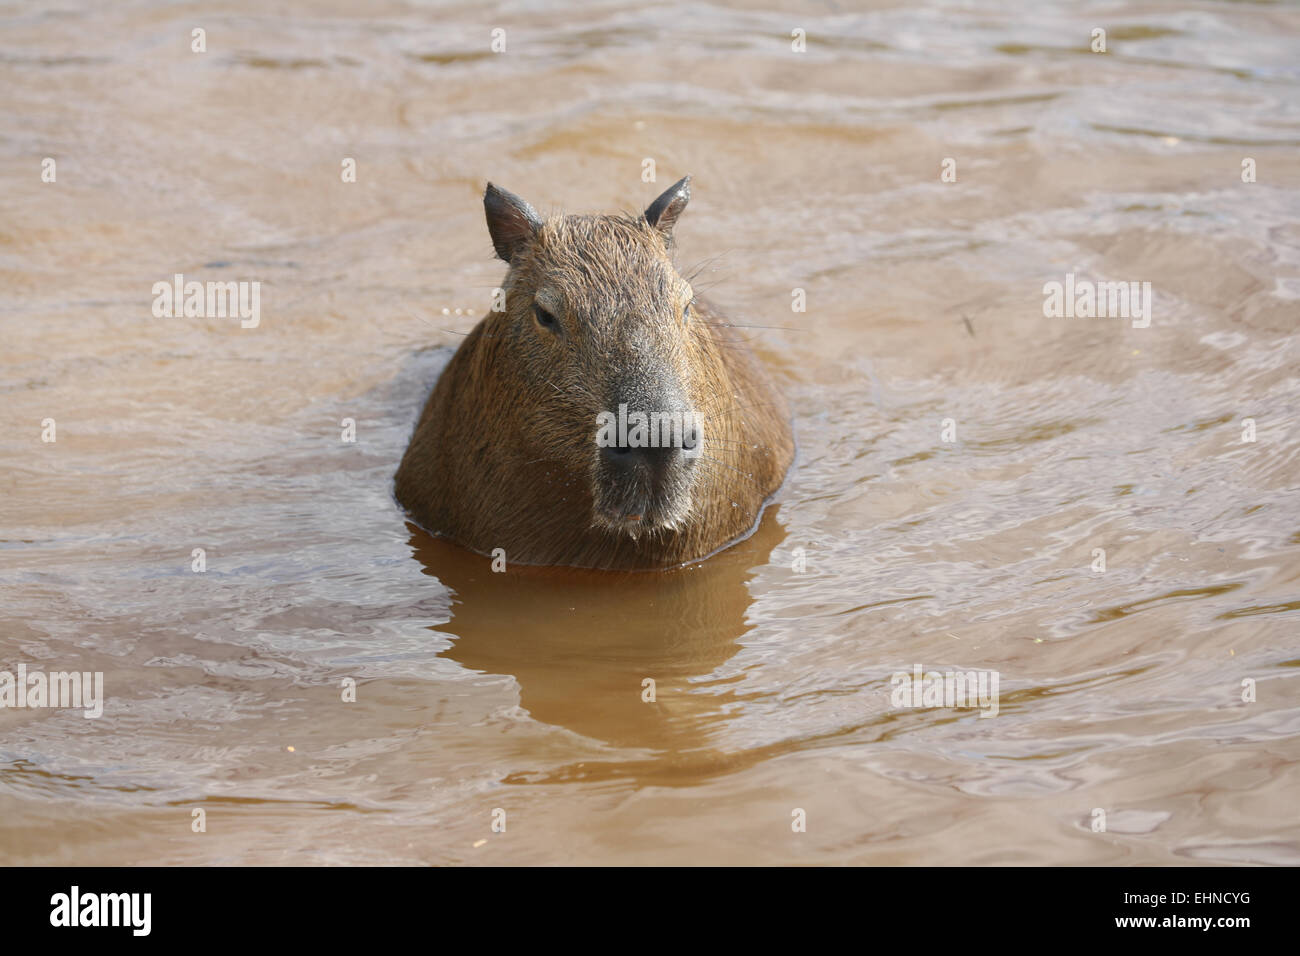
<point>607,417</point>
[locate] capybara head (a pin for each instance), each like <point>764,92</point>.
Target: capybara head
<point>598,326</point>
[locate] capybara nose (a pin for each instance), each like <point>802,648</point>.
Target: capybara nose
<point>652,462</point>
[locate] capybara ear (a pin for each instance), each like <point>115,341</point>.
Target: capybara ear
<point>663,212</point>
<point>511,221</point>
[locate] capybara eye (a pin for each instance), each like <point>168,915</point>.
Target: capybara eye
<point>544,318</point>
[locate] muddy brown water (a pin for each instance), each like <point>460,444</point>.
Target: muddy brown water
<point>1121,690</point>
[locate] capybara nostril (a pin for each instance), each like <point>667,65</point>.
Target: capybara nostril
<point>652,463</point>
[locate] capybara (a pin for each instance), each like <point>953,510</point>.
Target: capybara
<point>605,417</point>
